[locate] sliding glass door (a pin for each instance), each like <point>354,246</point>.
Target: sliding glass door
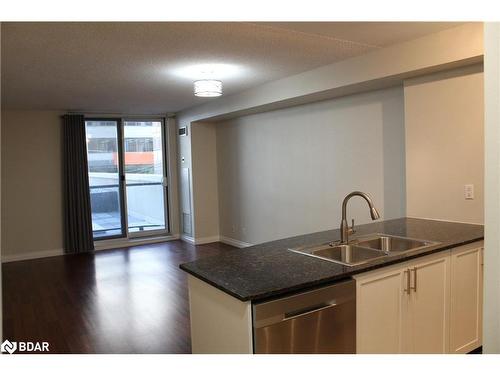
<point>127,176</point>
<point>103,150</point>
<point>144,176</point>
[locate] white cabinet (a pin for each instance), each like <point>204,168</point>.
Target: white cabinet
<point>431,304</point>
<point>466,298</point>
<point>429,311</point>
<point>381,309</point>
<point>404,308</point>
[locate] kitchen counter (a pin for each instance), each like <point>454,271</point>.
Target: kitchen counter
<point>268,270</point>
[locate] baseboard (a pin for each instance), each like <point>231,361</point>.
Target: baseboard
<point>204,240</point>
<point>233,242</point>
<point>6,258</point>
<point>223,239</point>
<point>200,241</point>
<point>188,239</point>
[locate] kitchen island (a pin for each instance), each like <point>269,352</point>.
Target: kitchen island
<point>223,288</point>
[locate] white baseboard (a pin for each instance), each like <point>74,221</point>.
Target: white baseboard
<point>233,242</point>
<point>223,239</point>
<point>31,255</point>
<point>188,239</point>
<point>200,241</point>
<point>204,240</point>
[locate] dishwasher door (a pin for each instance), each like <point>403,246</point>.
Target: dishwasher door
<point>319,321</point>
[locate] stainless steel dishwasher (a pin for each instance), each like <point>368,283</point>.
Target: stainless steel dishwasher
<point>318,321</point>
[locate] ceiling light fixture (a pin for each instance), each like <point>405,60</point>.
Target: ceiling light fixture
<point>207,88</point>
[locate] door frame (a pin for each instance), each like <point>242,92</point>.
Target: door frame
<point>125,234</point>
<point>156,232</point>
<point>123,208</point>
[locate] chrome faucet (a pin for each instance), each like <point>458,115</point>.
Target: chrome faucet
<point>344,227</point>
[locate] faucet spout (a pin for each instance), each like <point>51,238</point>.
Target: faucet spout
<point>344,227</point>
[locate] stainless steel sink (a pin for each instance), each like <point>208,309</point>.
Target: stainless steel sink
<point>347,255</point>
<point>364,249</point>
<point>392,244</point>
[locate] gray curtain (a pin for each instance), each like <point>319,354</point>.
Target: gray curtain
<point>77,215</point>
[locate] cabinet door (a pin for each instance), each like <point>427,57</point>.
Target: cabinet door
<point>382,304</point>
<point>429,304</point>
<point>466,299</point>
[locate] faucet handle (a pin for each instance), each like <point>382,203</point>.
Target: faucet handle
<point>351,229</point>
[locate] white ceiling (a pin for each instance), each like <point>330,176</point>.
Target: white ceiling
<point>138,67</point>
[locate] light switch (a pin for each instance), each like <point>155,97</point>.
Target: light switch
<point>469,191</point>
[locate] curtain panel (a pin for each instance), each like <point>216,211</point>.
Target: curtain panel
<point>78,236</point>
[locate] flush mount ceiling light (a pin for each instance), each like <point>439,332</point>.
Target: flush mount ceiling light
<point>207,88</point>
<point>207,71</point>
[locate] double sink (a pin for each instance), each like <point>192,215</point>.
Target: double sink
<point>364,249</point>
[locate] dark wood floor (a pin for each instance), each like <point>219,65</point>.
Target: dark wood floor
<point>115,301</point>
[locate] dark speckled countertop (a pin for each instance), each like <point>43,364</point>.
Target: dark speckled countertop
<point>270,269</point>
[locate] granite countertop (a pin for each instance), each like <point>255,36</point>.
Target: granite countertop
<point>270,269</point>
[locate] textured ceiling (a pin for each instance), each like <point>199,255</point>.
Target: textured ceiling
<point>133,67</point>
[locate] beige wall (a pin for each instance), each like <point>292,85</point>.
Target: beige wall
<point>445,145</point>
<point>31,183</point>
<point>205,186</point>
<point>284,173</point>
<point>491,315</point>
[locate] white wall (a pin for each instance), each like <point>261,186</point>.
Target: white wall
<point>491,319</point>
<point>445,145</point>
<point>285,173</point>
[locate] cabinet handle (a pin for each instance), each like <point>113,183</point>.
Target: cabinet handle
<point>297,314</point>
<point>407,289</point>
<point>414,279</point>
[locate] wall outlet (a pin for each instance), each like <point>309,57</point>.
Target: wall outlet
<point>469,191</point>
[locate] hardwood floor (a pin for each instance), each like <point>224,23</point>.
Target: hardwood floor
<point>131,300</point>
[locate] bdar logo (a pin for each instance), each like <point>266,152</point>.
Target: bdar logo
<point>9,347</point>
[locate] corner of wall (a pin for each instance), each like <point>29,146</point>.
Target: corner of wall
<point>204,180</point>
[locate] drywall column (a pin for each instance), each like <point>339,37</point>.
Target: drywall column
<point>1,296</point>
<point>185,181</point>
<point>198,202</point>
<point>491,318</point>
<point>204,178</point>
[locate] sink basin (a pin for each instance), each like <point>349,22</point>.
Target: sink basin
<point>364,249</point>
<point>347,255</point>
<point>392,244</point>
